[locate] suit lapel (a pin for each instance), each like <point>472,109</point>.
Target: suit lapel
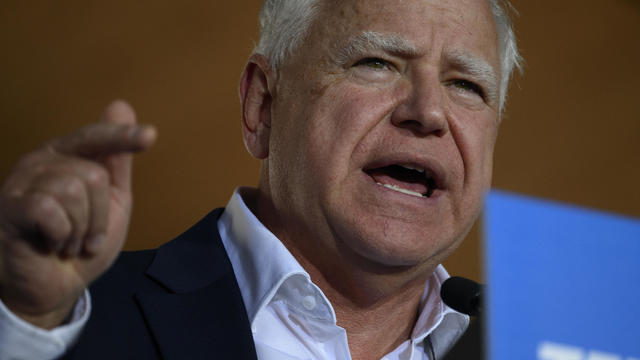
<point>201,315</point>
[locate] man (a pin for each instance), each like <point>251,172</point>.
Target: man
<point>375,122</point>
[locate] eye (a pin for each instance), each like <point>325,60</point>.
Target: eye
<point>466,85</point>
<point>373,63</point>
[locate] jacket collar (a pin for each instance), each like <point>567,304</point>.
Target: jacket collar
<point>201,314</point>
<point>194,259</point>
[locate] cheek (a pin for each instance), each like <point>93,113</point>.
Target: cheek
<point>475,137</point>
<point>345,117</point>
<point>486,143</point>
<point>319,132</point>
<point>307,143</point>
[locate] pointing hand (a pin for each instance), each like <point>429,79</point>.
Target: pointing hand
<point>64,214</point>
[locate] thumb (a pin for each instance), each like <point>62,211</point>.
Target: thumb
<point>119,165</point>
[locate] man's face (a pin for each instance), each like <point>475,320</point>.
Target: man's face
<point>382,129</point>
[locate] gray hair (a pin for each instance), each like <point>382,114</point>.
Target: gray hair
<point>284,23</point>
<point>510,58</point>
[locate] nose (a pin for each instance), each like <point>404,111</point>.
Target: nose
<point>422,109</point>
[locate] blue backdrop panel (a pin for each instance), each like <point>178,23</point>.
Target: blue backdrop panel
<point>563,282</point>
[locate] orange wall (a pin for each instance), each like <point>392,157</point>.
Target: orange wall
<point>572,129</point>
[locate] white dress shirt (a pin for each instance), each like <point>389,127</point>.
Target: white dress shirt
<point>290,316</point>
<point>19,340</point>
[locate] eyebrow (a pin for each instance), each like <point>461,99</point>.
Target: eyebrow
<point>479,69</point>
<point>369,41</point>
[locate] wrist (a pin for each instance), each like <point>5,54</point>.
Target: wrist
<point>45,319</point>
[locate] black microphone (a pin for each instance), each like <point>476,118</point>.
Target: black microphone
<point>465,296</point>
<point>462,295</point>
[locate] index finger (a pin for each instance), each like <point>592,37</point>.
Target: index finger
<point>116,133</point>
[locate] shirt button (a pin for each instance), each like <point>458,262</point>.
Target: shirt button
<point>309,302</point>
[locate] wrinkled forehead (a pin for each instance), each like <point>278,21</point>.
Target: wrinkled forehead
<point>359,12</point>
<point>466,24</point>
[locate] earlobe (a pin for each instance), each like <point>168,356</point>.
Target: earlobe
<point>255,97</point>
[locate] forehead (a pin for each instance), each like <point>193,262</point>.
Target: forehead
<point>430,25</point>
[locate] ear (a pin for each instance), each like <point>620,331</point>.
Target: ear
<point>255,96</point>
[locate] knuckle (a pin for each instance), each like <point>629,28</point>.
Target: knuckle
<point>11,194</point>
<point>42,206</point>
<point>33,164</point>
<point>48,216</point>
<point>32,161</point>
<point>72,187</point>
<point>97,176</point>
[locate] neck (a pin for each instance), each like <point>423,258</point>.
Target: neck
<point>376,305</point>
<point>377,314</point>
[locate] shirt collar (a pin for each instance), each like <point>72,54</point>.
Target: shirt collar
<point>437,320</point>
<point>262,265</point>
<point>432,309</point>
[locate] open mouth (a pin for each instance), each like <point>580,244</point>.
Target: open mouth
<point>405,178</point>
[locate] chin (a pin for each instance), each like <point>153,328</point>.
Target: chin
<point>387,245</point>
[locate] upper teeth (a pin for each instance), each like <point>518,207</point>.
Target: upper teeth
<point>410,167</point>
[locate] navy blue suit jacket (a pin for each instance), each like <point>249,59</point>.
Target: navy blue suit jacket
<point>180,301</point>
